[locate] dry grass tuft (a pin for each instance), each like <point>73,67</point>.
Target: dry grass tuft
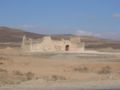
<point>3,70</point>
<point>1,63</point>
<point>57,77</point>
<point>81,69</point>
<point>105,70</point>
<point>4,58</point>
<point>54,78</point>
<point>29,75</point>
<point>18,73</point>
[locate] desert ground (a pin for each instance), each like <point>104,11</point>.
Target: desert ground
<point>58,70</point>
<point>88,70</point>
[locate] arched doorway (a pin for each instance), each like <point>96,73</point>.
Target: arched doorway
<point>67,48</point>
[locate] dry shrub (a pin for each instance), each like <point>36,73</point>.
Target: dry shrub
<point>1,63</point>
<point>8,81</point>
<point>3,70</point>
<point>105,70</point>
<point>81,69</point>
<point>57,77</point>
<point>18,73</point>
<point>3,58</point>
<point>14,77</point>
<point>24,76</point>
<point>54,78</point>
<point>29,75</point>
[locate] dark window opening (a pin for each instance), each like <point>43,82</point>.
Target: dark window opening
<point>67,48</point>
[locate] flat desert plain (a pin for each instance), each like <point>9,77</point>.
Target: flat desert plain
<point>55,69</point>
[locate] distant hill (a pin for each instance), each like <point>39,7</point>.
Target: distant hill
<point>96,42</point>
<point>15,35</point>
<point>92,42</point>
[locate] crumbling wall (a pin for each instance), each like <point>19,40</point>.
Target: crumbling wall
<point>47,44</point>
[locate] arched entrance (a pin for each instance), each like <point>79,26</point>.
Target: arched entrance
<point>67,48</point>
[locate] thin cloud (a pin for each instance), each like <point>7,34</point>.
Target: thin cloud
<point>116,15</point>
<point>108,35</point>
<point>83,32</point>
<point>29,26</point>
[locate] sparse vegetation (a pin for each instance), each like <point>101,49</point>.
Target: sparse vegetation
<point>57,77</point>
<point>54,78</point>
<point>56,67</point>
<point>3,70</point>
<point>105,70</point>
<point>18,73</point>
<point>1,63</point>
<point>14,77</point>
<point>81,69</point>
<point>29,75</point>
<point>3,58</point>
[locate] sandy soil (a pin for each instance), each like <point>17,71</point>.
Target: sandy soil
<point>27,69</point>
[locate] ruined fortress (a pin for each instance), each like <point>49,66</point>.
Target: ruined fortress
<point>47,44</point>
